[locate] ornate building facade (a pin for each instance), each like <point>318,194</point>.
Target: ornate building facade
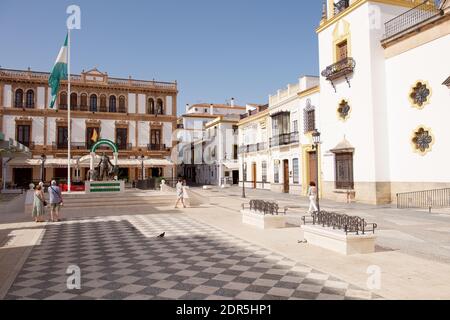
<point>139,116</point>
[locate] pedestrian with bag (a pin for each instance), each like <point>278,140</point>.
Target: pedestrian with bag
<point>56,201</point>
<point>38,205</point>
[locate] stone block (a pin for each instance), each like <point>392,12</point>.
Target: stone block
<point>263,221</point>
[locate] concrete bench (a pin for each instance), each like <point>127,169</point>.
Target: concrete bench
<point>263,215</point>
<point>339,233</point>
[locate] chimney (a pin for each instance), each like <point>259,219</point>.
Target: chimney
<point>211,109</point>
<point>187,107</point>
<point>232,102</point>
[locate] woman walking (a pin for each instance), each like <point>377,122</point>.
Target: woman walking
<point>312,194</point>
<point>38,205</point>
<point>180,193</point>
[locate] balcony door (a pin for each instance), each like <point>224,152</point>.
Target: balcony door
<point>62,138</point>
<point>342,50</point>
<point>122,138</point>
<point>155,139</point>
<point>92,136</point>
<point>23,134</point>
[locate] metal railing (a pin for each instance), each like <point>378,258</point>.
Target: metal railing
<point>411,18</point>
<point>339,69</point>
<point>157,147</point>
<point>125,146</point>
<point>284,139</point>
<point>346,223</point>
<point>341,6</point>
<point>428,199</point>
<point>261,146</point>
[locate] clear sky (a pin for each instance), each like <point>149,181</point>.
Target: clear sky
<point>215,49</point>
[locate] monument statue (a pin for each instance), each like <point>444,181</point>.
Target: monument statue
<point>105,168</point>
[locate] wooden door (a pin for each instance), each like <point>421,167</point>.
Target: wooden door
<point>286,176</point>
<point>312,165</point>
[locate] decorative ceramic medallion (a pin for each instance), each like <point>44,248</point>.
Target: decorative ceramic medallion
<point>422,140</point>
<point>344,110</point>
<point>420,94</point>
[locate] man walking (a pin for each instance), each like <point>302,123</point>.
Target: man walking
<point>55,201</point>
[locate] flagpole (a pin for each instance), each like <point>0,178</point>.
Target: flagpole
<point>68,113</point>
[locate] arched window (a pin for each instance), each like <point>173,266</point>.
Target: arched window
<point>93,103</point>
<point>73,101</point>
<point>63,101</point>
<point>18,99</point>
<point>30,99</point>
<point>102,103</point>
<point>112,104</point>
<point>151,106</point>
<point>159,107</point>
<point>83,104</point>
<point>122,108</point>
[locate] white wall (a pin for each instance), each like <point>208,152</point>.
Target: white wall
<point>78,130</point>
<point>108,130</point>
<point>9,127</point>
<point>406,165</point>
<point>51,130</point>
<point>37,130</point>
<point>169,105</point>
<point>131,103</point>
<point>40,98</point>
<point>7,96</point>
<point>144,133</point>
<point>141,104</point>
<point>167,134</point>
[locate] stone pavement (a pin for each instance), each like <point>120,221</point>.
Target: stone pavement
<point>414,232</point>
<point>118,254</point>
<point>121,258</point>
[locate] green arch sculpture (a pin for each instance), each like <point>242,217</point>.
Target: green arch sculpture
<point>107,142</point>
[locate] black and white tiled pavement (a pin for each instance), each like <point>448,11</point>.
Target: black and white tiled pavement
<point>121,258</point>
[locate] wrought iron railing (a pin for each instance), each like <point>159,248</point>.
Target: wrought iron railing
<point>261,146</point>
<point>262,207</point>
<point>157,147</point>
<point>411,18</point>
<point>341,6</point>
<point>428,199</point>
<point>339,69</point>
<point>284,139</point>
<point>125,146</point>
<point>346,223</point>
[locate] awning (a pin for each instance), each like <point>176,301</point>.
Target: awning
<point>10,148</point>
<point>49,163</point>
<point>157,162</point>
<point>232,165</point>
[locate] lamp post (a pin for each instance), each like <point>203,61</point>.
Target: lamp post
<point>316,141</point>
<point>43,158</point>
<point>244,173</point>
<point>142,167</point>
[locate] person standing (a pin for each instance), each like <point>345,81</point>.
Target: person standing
<point>312,194</point>
<point>55,201</point>
<point>38,205</point>
<point>180,193</point>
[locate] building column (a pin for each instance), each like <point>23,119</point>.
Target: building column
<point>2,87</point>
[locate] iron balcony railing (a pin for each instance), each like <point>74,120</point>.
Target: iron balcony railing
<point>429,199</point>
<point>284,139</point>
<point>157,147</point>
<point>341,6</point>
<point>73,145</point>
<point>339,69</point>
<point>253,147</point>
<point>411,18</point>
<point>125,146</point>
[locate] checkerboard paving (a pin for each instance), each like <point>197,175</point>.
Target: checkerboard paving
<point>121,258</point>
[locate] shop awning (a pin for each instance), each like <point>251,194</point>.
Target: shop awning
<point>232,165</point>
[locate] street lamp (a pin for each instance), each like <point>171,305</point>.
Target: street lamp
<point>316,141</point>
<point>244,173</point>
<point>142,167</point>
<point>43,158</point>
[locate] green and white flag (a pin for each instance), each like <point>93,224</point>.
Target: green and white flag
<point>59,72</point>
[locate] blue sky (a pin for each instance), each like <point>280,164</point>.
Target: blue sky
<point>246,49</point>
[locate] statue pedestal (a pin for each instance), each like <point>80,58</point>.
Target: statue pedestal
<point>104,186</point>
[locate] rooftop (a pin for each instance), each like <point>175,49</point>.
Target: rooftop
<point>93,76</point>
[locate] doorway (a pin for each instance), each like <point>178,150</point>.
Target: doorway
<point>235,177</point>
<point>312,167</point>
<point>254,175</point>
<point>22,177</point>
<point>286,176</point>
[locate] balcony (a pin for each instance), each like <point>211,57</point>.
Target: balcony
<point>74,145</point>
<point>253,147</point>
<point>124,146</point>
<point>157,147</point>
<point>284,139</point>
<point>340,69</point>
<point>341,6</point>
<point>411,18</point>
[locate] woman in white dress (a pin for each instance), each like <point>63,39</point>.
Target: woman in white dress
<point>312,194</point>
